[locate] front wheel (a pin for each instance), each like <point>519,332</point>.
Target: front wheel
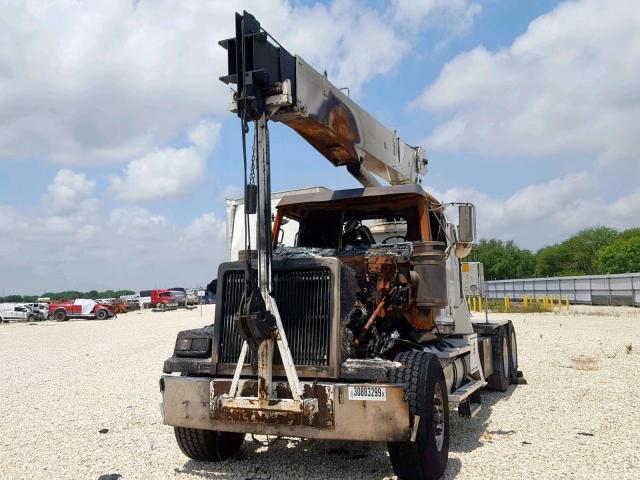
<point>208,445</point>
<point>426,458</point>
<point>101,314</point>
<point>60,316</point>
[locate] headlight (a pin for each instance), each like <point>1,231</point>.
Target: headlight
<point>193,347</point>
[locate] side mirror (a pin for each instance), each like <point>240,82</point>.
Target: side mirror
<point>466,229</point>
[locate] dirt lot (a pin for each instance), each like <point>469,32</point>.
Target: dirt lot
<point>61,383</point>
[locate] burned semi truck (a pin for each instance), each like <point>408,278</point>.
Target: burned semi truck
<point>355,327</point>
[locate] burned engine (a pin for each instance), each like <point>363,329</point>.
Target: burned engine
<point>400,288</point>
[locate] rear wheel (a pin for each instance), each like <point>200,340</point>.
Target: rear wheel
<point>208,445</point>
<point>60,316</point>
<point>513,353</point>
<point>499,380</point>
<point>426,458</point>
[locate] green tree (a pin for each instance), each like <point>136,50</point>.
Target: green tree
<point>576,255</point>
<point>503,260</point>
<point>622,255</point>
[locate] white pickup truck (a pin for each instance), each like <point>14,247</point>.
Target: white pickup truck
<point>13,311</point>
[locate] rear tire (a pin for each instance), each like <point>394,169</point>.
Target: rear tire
<point>60,316</point>
<point>208,445</point>
<point>426,458</point>
<point>498,381</point>
<point>513,354</point>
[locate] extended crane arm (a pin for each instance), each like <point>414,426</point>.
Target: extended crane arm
<point>272,81</point>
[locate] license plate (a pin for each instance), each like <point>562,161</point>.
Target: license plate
<point>368,393</point>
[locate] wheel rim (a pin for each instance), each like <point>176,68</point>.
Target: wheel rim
<point>438,416</point>
<point>514,351</point>
<point>505,357</point>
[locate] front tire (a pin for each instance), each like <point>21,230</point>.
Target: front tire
<point>101,314</point>
<point>426,458</point>
<point>60,316</point>
<point>208,445</point>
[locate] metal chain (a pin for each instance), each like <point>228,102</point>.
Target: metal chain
<point>252,170</point>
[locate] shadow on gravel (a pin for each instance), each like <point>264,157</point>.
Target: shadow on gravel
<point>466,433</point>
<point>283,458</point>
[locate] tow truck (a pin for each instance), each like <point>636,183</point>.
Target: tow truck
<point>342,334</point>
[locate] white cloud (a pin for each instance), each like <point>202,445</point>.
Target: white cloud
<point>100,82</point>
<point>457,15</point>
<point>68,191</point>
<point>136,220</point>
<point>567,86</point>
<point>626,207</point>
<point>168,172</point>
<point>544,213</point>
<point>206,227</point>
<point>127,247</point>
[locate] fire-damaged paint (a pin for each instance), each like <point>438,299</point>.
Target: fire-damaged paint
<point>187,403</point>
<point>323,418</point>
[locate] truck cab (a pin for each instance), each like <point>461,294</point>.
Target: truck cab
<point>163,299</point>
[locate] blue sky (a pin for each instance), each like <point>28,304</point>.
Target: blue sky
<point>117,150</point>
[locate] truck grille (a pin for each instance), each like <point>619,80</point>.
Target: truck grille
<point>304,301</point>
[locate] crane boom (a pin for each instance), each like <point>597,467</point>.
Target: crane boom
<point>290,91</point>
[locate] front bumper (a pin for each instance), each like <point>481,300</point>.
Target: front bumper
<point>193,402</point>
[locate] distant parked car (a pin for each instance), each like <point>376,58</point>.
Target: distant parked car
<point>17,312</point>
<point>42,308</point>
<point>80,308</point>
<point>145,298</point>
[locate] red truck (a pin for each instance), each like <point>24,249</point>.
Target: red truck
<point>80,308</point>
<point>163,298</point>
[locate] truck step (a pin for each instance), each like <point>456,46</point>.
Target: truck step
<point>468,409</point>
<point>465,391</point>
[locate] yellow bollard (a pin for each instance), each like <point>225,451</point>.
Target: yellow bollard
<point>475,304</point>
<point>559,303</point>
<point>544,303</point>
<point>480,304</point>
<point>525,300</point>
<point>567,302</point>
<point>469,303</point>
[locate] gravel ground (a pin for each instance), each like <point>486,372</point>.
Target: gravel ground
<point>63,382</point>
